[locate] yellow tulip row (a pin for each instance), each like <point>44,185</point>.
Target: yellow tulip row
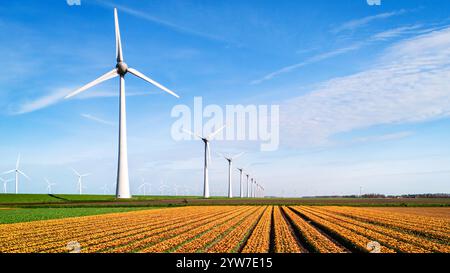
<point>401,241</point>
<point>285,241</point>
<point>317,240</point>
<point>259,241</point>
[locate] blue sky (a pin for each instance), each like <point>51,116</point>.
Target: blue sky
<point>364,91</point>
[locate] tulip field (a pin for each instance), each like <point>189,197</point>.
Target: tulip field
<point>238,229</point>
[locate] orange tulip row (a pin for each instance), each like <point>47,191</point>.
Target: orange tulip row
<point>400,241</point>
<point>317,240</point>
<point>259,241</point>
<point>359,240</point>
<point>285,241</point>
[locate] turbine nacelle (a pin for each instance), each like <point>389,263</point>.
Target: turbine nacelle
<point>122,68</point>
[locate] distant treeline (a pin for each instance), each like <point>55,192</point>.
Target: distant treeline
<point>376,195</point>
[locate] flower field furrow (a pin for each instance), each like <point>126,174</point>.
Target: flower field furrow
<point>246,229</point>
<point>208,237</point>
<point>420,244</point>
<point>285,241</point>
<point>151,237</point>
<point>349,235</point>
<point>430,228</point>
<point>59,240</point>
<point>388,241</point>
<point>168,244</point>
<point>148,229</point>
<point>68,233</point>
<point>317,240</point>
<point>259,240</point>
<point>234,239</point>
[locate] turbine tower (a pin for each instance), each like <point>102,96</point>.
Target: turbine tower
<point>80,181</point>
<point>123,183</point>
<point>230,167</point>
<point>248,188</point>
<point>241,193</point>
<point>17,172</point>
<point>206,140</point>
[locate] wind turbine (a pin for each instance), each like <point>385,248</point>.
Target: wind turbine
<point>5,183</point>
<point>248,189</point>
<point>230,164</point>
<point>104,188</point>
<point>123,183</point>
<point>206,140</point>
<point>80,182</point>
<point>17,171</point>
<point>49,186</point>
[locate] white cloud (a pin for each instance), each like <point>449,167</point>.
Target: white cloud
<point>409,83</point>
<point>381,36</point>
<point>357,23</point>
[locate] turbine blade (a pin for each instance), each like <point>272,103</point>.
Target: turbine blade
<point>18,161</point>
<point>22,173</point>
<point>86,174</point>
<point>111,74</point>
<point>213,134</point>
<point>75,172</point>
<point>119,54</point>
<point>209,153</point>
<point>237,155</point>
<point>8,172</point>
<point>147,79</point>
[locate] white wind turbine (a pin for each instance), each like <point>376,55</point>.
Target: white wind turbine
<point>17,172</point>
<point>49,185</point>
<point>248,187</point>
<point>230,166</point>
<point>5,184</point>
<point>206,140</point>
<point>241,181</point>
<point>80,180</point>
<point>104,188</point>
<point>123,183</point>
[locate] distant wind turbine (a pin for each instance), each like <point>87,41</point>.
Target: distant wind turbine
<point>17,172</point>
<point>248,187</point>
<point>49,186</point>
<point>206,140</point>
<point>230,164</point>
<point>80,180</point>
<point>5,184</point>
<point>123,183</point>
<point>104,188</point>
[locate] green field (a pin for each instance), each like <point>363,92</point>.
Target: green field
<point>74,198</point>
<point>16,215</point>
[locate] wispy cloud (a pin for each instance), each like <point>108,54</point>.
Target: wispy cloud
<point>97,119</point>
<point>385,137</point>
<point>162,22</point>
<point>357,23</point>
<point>41,102</point>
<point>409,83</point>
<point>378,37</point>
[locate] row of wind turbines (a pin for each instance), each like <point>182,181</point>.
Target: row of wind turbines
<point>254,189</point>
<point>18,172</point>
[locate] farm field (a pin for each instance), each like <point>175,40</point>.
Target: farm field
<point>238,229</point>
